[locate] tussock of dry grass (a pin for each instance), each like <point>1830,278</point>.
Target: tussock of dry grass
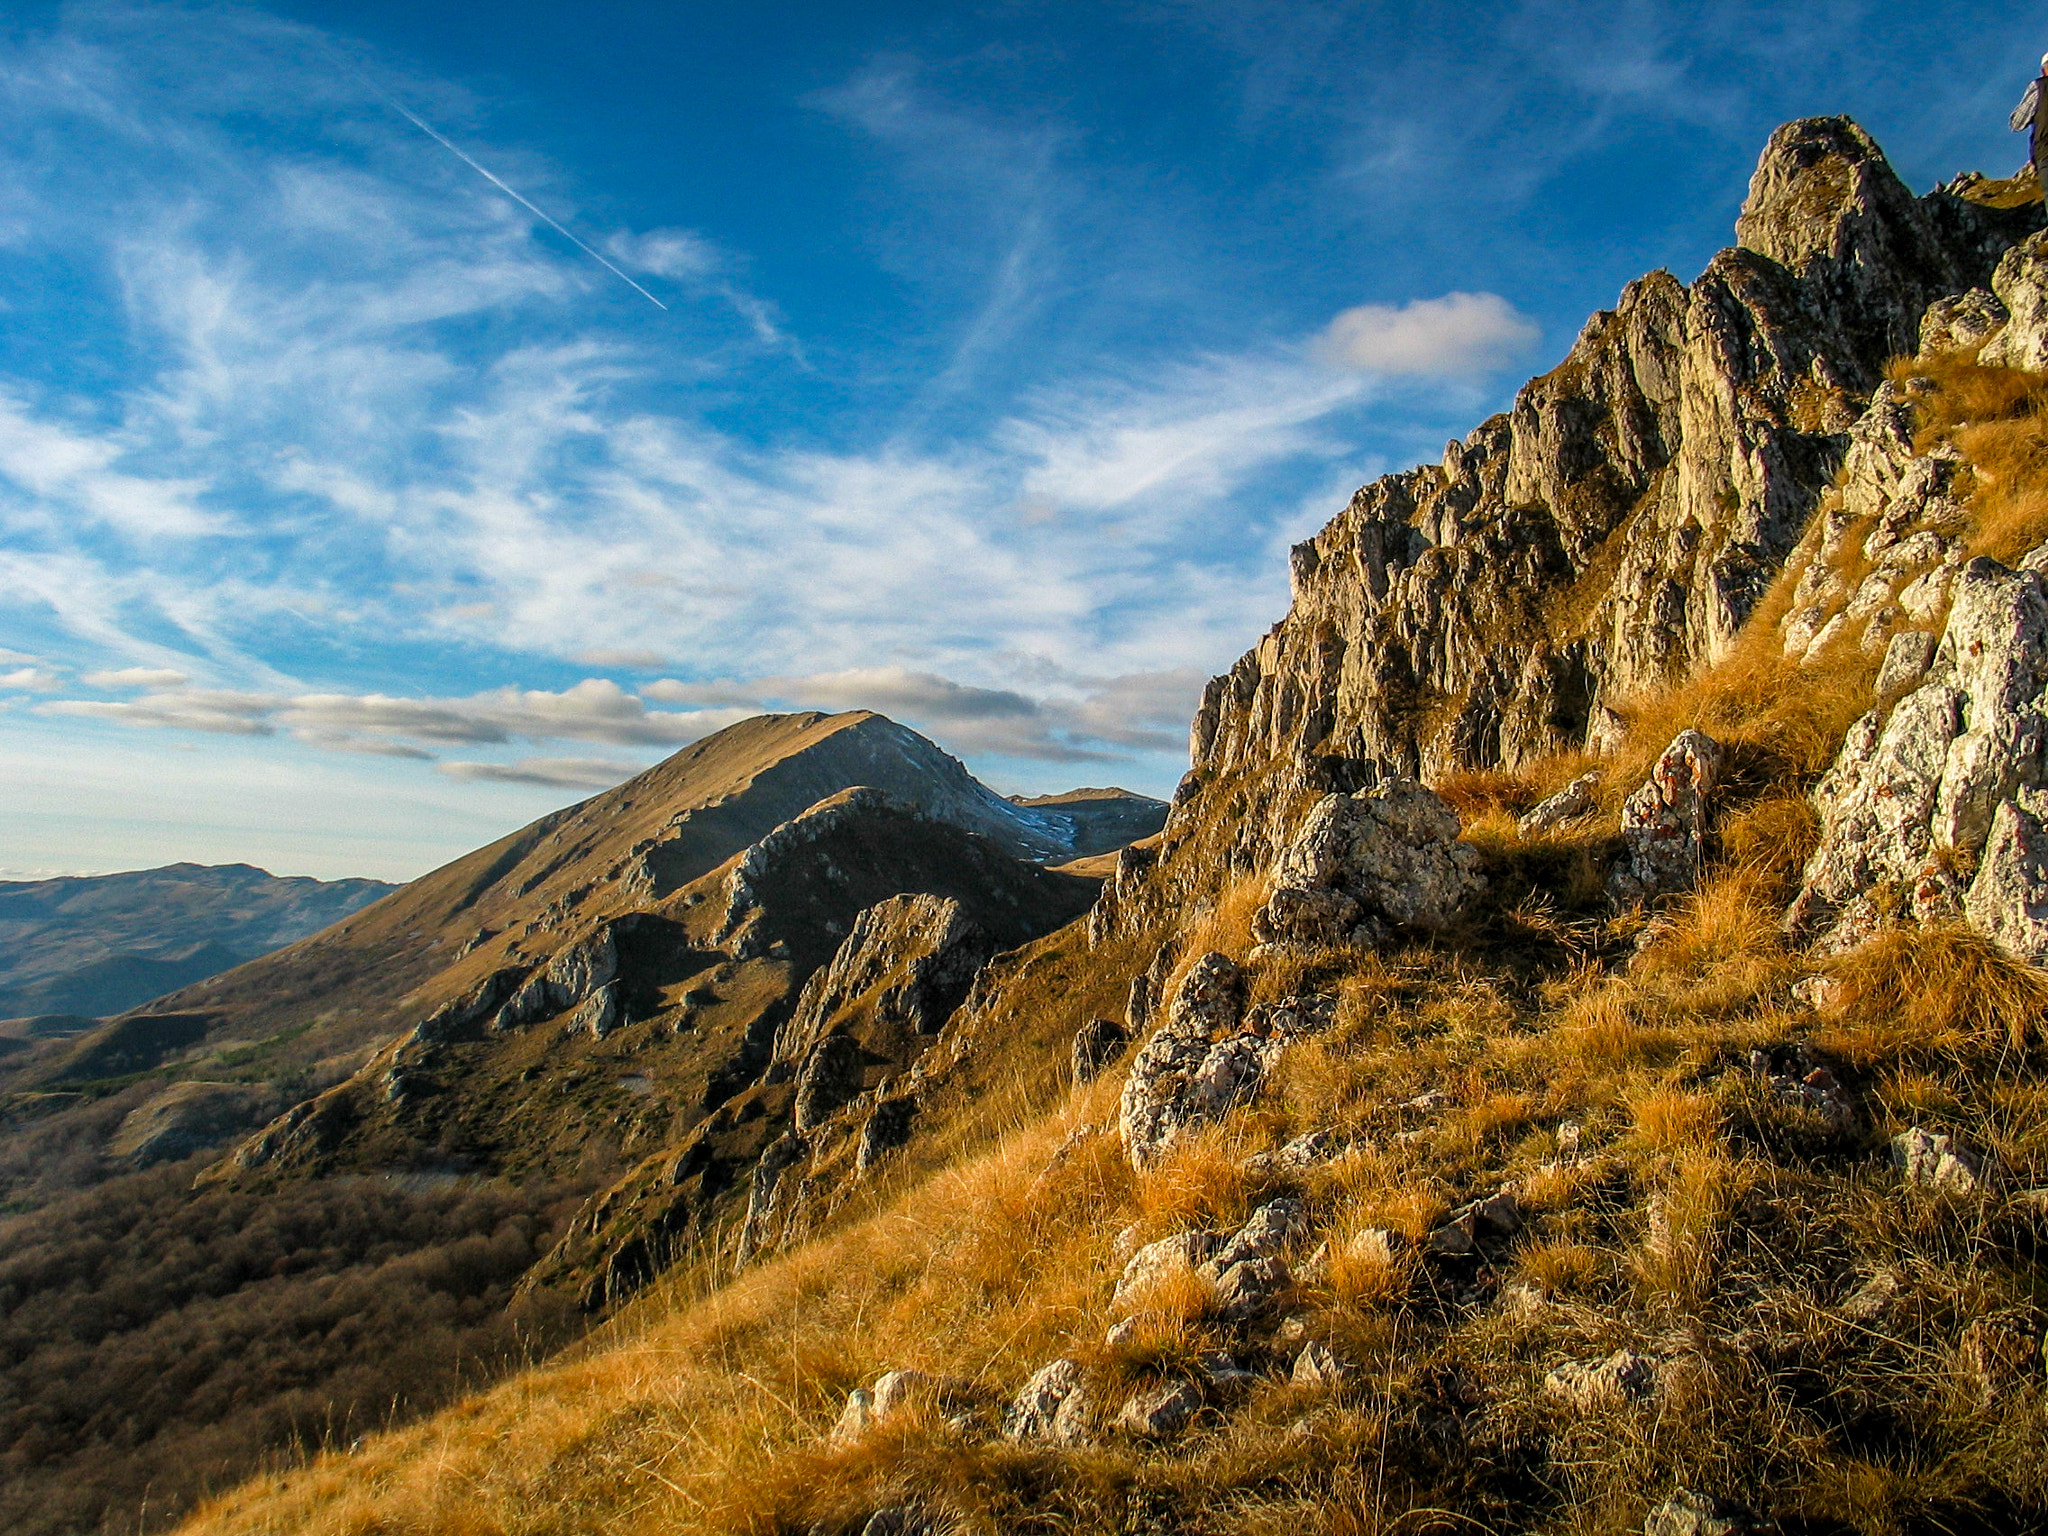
<point>1937,991</point>
<point>1997,418</point>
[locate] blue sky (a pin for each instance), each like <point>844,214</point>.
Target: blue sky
<point>415,417</point>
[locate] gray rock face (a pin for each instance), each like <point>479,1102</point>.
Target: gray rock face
<point>1496,1216</point>
<point>2021,283</point>
<point>907,962</point>
<point>534,999</point>
<point>1273,1227</point>
<point>829,1077</point>
<point>1953,324</point>
<point>855,1417</point>
<point>1251,1288</point>
<point>1209,1001</point>
<point>1664,823</point>
<point>1578,798</point>
<point>599,1014</point>
<point>1690,1513</point>
<point>1184,1251</point>
<point>1927,1160</point>
<point>1387,855</point>
<point>582,968</point>
<point>1161,1412</point>
<point>888,1127</point>
<point>1318,1366</point>
<point>1311,1149</point>
<point>1589,1384</point>
<point>1187,1077</point>
<point>764,1190</point>
<point>1934,807</point>
<point>1480,611</point>
<point>1034,1412</point>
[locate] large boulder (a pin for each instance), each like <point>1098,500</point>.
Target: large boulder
<point>1208,1057</point>
<point>1361,863</point>
<point>1160,1412</point>
<point>1209,1001</point>
<point>1934,810</point>
<point>1664,823</point>
<point>1034,1413</point>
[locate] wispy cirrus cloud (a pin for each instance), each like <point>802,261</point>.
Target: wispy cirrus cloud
<point>595,709</point>
<point>375,445</point>
<point>550,772</point>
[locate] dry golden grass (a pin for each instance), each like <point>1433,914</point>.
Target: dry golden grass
<point>1997,418</point>
<point>1364,1274</point>
<point>1200,1181</point>
<point>1915,991</point>
<point>1559,1266</point>
<point>1670,1120</point>
<point>1780,722</point>
<point>1475,792</point>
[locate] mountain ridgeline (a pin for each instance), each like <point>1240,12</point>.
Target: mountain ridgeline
<point>1572,1059</point>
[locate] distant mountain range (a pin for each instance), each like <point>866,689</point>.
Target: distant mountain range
<point>749,947</point>
<point>96,945</point>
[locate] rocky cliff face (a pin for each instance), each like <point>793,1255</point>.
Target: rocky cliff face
<point>1622,520</point>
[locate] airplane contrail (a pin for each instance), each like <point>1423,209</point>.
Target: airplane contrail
<point>555,224</point>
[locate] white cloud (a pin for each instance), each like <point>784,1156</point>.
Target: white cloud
<point>33,679</point>
<point>216,712</point>
<point>672,253</point>
<point>449,447</point>
<point>136,677</point>
<point>624,660</point>
<point>1458,334</point>
<point>73,473</point>
<point>557,772</point>
<point>1077,719</point>
<point>1196,431</point>
<point>593,710</point>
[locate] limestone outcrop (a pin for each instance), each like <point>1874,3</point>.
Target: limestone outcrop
<point>1208,1057</point>
<point>2021,288</point>
<point>906,963</point>
<point>1386,857</point>
<point>1621,521</point>
<point>1934,810</point>
<point>1664,823</point>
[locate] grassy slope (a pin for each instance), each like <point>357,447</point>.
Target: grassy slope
<point>1836,1349</point>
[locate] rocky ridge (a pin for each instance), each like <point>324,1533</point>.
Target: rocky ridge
<point>1622,520</point>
